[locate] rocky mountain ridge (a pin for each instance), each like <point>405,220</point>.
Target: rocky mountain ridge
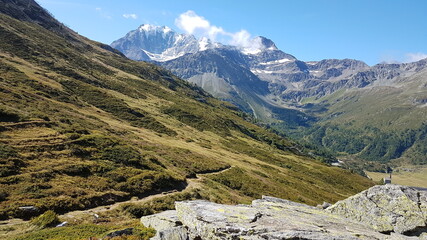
<point>381,212</point>
<point>289,79</point>
<point>159,43</point>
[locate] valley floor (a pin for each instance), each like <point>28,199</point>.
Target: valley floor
<point>415,176</point>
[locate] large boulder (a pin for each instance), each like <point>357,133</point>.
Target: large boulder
<point>387,208</point>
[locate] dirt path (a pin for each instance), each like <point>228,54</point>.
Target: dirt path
<point>15,227</point>
<point>192,183</point>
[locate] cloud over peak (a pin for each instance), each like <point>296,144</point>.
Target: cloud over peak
<point>192,23</point>
<point>414,57</point>
<point>130,15</point>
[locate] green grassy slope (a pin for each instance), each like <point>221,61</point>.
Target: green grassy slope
<point>82,126</point>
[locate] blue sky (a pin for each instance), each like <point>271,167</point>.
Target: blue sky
<point>369,30</point>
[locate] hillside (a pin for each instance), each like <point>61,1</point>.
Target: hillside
<point>83,126</point>
<point>383,121</point>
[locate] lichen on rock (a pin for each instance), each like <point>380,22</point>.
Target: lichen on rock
<point>386,208</point>
<point>382,212</point>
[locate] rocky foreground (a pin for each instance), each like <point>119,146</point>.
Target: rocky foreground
<point>381,212</point>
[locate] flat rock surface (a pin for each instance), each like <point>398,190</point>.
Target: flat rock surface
<point>269,218</point>
<point>274,218</point>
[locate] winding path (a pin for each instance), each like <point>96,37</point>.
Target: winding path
<point>15,227</point>
<point>191,184</point>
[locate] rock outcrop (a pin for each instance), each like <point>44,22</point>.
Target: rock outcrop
<point>382,212</point>
<point>388,208</point>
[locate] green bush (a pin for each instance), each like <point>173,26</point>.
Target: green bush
<point>138,211</point>
<point>47,219</point>
<point>144,232</point>
<point>10,167</point>
<point>148,182</point>
<point>75,170</point>
<point>122,154</point>
<point>159,204</point>
<point>7,151</point>
<point>3,195</point>
<point>83,231</point>
<point>9,116</point>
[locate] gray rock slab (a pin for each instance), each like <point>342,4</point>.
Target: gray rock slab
<point>268,218</point>
<point>386,208</point>
<point>381,212</point>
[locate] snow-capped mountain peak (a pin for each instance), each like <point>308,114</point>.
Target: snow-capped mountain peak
<point>160,43</point>
<point>153,28</point>
<point>204,43</point>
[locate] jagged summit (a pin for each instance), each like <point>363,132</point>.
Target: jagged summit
<point>267,43</point>
<point>258,45</point>
<point>159,43</point>
<point>153,28</point>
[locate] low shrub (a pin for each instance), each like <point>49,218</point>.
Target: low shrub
<point>10,167</point>
<point>159,204</point>
<point>3,195</point>
<point>47,219</point>
<point>144,233</point>
<point>83,231</point>
<point>148,182</point>
<point>122,154</point>
<point>7,151</point>
<point>9,116</point>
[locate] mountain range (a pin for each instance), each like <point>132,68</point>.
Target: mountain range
<point>314,101</point>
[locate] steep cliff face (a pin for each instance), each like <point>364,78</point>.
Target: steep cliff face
<point>382,212</point>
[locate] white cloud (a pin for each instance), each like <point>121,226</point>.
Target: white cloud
<point>165,13</point>
<point>390,58</point>
<point>130,15</point>
<point>190,22</point>
<point>197,25</point>
<point>414,57</point>
<point>103,13</point>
